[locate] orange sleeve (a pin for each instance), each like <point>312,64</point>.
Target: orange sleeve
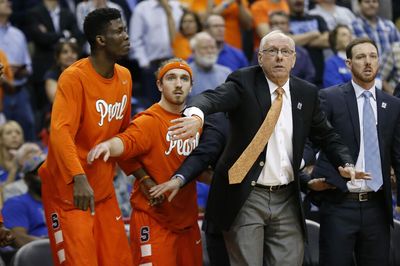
<point>65,120</point>
<point>137,137</point>
<point>130,165</point>
<point>260,14</point>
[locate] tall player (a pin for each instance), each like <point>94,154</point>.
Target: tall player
<point>92,103</point>
<point>166,234</point>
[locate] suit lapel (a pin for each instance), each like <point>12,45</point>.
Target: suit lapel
<point>297,103</point>
<point>47,21</point>
<point>351,102</point>
<point>381,109</point>
<point>262,94</point>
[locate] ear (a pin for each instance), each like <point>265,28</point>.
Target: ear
<point>100,40</point>
<point>348,63</point>
<point>159,86</point>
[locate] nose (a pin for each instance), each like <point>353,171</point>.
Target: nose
<point>178,83</point>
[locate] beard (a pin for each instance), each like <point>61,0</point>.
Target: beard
<point>360,76</point>
<point>206,61</point>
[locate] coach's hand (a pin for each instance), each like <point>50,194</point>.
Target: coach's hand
<point>145,184</point>
<point>83,194</point>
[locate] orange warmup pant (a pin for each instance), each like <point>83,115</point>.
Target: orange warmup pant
<point>79,239</point>
<point>154,245</point>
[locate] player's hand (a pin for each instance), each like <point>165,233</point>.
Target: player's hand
<point>145,185</point>
<point>6,237</point>
<point>397,208</point>
<point>185,127</point>
<point>350,172</point>
<point>319,184</point>
<point>172,185</point>
<point>99,150</point>
<point>83,194</point>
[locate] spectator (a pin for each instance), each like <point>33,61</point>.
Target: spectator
<point>368,24</point>
<point>332,13</point>
<point>237,17</point>
<point>189,25</point>
<point>19,187</point>
<point>11,138</point>
<point>311,32</point>
<point>66,53</point>
<point>207,74</point>
<point>390,68</point>
<point>85,7</point>
<point>228,56</point>
<point>303,68</point>
<point>45,33</point>
<point>152,30</point>
<point>262,10</point>
<point>335,70</point>
<point>5,82</point>
<point>17,104</point>
<point>24,214</point>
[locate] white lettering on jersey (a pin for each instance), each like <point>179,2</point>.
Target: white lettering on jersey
<point>110,111</point>
<point>183,147</point>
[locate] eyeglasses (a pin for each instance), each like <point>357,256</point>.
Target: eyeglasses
<point>274,52</point>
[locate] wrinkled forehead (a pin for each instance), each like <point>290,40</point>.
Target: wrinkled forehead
<point>278,40</point>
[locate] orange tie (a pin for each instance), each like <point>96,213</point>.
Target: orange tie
<point>246,160</point>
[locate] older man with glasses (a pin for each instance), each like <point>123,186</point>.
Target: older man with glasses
<point>255,193</point>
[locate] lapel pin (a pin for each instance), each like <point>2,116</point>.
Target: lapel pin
<point>383,105</point>
<point>299,105</point>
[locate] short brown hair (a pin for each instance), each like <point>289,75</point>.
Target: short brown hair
<point>333,36</point>
<point>349,48</point>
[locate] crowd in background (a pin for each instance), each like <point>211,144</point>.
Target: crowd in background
<point>41,38</point>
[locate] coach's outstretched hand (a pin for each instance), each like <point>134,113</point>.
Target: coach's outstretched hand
<point>172,185</point>
<point>83,194</point>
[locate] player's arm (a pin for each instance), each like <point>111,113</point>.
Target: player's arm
<point>113,147</point>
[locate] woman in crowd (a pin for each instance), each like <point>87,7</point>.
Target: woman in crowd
<point>189,25</point>
<point>11,138</point>
<point>66,53</point>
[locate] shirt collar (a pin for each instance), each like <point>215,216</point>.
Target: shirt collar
<point>359,90</point>
<point>272,87</point>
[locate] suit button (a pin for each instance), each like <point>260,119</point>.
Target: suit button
<point>261,163</point>
<point>253,183</point>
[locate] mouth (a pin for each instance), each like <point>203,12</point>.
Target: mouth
<point>178,93</point>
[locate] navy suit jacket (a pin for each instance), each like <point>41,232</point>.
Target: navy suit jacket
<point>340,105</point>
<point>246,98</point>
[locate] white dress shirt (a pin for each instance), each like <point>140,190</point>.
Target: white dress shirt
<point>148,31</point>
<point>278,168</point>
<point>361,185</point>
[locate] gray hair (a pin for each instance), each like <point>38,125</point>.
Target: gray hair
<point>199,36</point>
<point>276,33</point>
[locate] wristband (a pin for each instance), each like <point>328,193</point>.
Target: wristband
<point>143,178</point>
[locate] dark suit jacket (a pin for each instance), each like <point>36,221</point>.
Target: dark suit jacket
<point>246,98</point>
<point>211,145</point>
<point>340,105</point>
<point>43,57</point>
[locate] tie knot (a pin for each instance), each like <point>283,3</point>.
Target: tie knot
<point>280,91</point>
<point>367,94</point>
